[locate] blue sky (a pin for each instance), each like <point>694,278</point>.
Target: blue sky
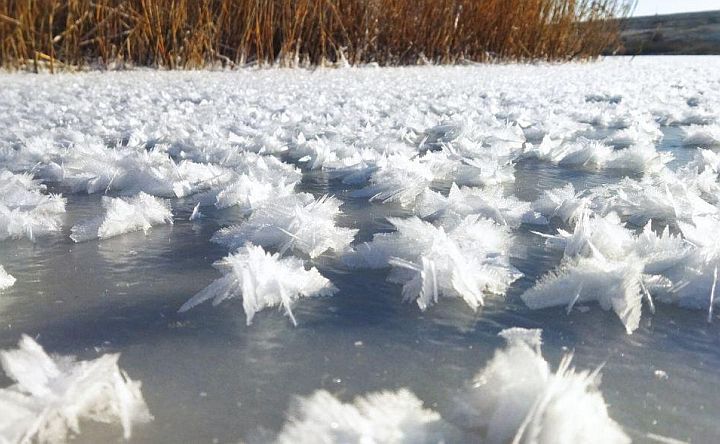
<point>652,7</point>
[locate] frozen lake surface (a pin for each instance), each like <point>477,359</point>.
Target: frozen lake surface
<point>636,138</point>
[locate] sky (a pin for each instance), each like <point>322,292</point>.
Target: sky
<point>652,7</point>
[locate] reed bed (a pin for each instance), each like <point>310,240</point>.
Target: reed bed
<point>54,34</point>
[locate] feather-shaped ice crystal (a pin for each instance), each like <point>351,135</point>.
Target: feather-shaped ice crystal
<point>263,280</point>
<point>517,398</point>
<point>465,262</point>
<point>52,395</point>
<point>400,180</point>
<point>6,279</point>
<point>490,203</point>
<point>382,418</point>
<point>296,222</point>
<point>25,211</point>
<point>124,215</point>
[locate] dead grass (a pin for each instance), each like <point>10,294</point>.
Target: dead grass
<point>199,33</point>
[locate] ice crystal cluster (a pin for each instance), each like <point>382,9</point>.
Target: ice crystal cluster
<point>263,280</point>
<point>124,215</point>
<point>51,395</point>
<point>516,397</point>
<point>553,187</point>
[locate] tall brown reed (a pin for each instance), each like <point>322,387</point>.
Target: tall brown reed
<point>197,33</point>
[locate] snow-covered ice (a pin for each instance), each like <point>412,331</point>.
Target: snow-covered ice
<point>537,192</point>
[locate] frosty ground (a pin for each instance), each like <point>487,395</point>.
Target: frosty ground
<point>399,219</point>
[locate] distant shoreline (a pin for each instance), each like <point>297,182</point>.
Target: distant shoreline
<point>693,33</point>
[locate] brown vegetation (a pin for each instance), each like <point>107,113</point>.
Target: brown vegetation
<point>198,33</point>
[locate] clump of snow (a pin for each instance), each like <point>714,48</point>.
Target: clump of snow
<point>51,395</point>
<point>25,211</point>
<point>517,398</point>
<point>297,222</point>
<point>429,261</point>
<point>263,280</point>
<point>6,279</point>
<point>124,215</point>
<point>382,417</point>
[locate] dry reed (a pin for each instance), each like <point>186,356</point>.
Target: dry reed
<point>198,33</point>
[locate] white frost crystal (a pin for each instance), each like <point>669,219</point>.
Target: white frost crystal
<point>297,223</point>
<point>465,262</point>
<point>124,215</point>
<point>51,395</point>
<point>25,211</point>
<point>263,280</point>
<point>517,398</point>
<point>6,279</point>
<point>382,418</point>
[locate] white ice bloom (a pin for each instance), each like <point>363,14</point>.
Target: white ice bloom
<point>25,211</point>
<point>491,203</point>
<point>265,168</point>
<point>642,132</point>
<point>124,215</point>
<point>603,236</point>
<point>563,203</point>
<point>706,159</point>
<point>589,154</point>
<point>95,168</point>
<point>702,135</point>
<point>551,150</point>
<point>382,418</point>
<point>639,158</point>
<point>191,177</point>
<point>297,223</point>
<point>614,285</point>
<point>517,398</point>
<point>52,395</point>
<point>459,163</point>
<point>605,262</point>
<point>248,192</point>
<point>465,262</point>
<point>263,280</point>
<point>666,198</point>
<point>322,153</point>
<point>400,180</point>
<point>6,279</point>
<point>695,275</point>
